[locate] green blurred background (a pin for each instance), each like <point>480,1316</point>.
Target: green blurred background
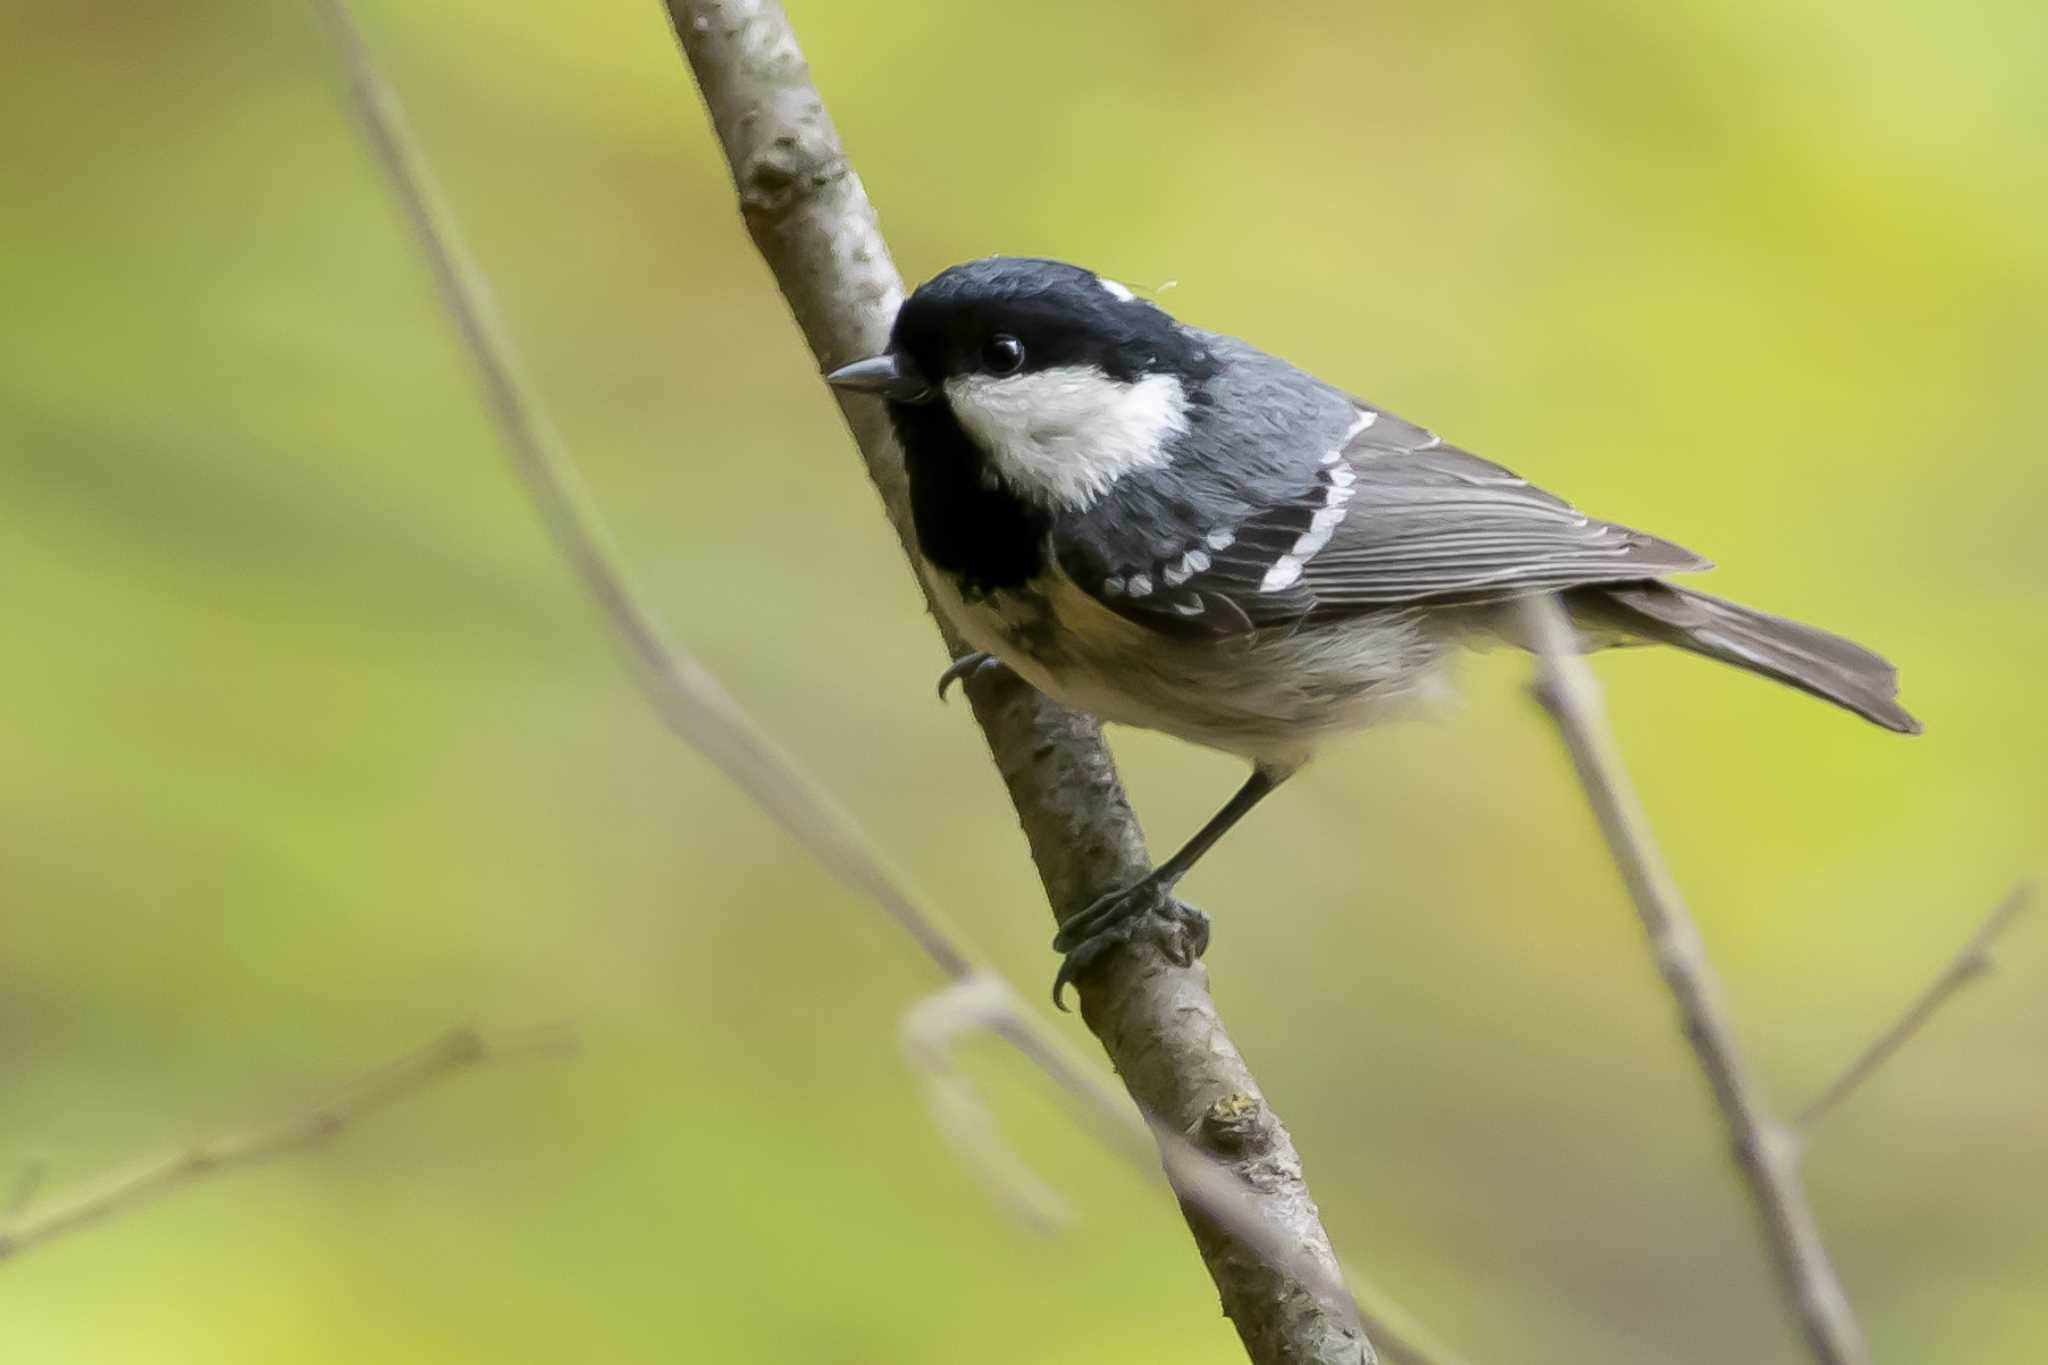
<point>310,750</point>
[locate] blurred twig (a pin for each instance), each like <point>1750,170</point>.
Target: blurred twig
<point>930,1033</point>
<point>1766,1152</point>
<point>1157,1021</point>
<point>1972,962</point>
<point>31,1223</point>
<point>685,694</point>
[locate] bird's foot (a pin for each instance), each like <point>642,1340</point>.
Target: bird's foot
<point>968,666</point>
<point>1119,917</point>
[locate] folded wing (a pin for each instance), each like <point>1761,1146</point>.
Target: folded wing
<point>1388,516</point>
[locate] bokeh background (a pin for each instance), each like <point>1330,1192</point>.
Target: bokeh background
<point>308,750</point>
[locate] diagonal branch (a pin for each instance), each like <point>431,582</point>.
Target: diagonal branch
<point>1972,962</point>
<point>1766,1153</point>
<point>28,1224</point>
<point>816,230</point>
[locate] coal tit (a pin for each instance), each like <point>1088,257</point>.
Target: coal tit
<point>1168,528</point>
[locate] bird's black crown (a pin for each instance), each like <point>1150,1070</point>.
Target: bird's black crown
<point>961,321</point>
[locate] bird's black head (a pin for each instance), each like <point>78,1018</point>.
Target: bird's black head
<point>1023,389</point>
<point>1007,315</point>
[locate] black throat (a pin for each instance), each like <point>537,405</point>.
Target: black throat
<point>968,523</point>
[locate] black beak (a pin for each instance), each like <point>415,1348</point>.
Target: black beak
<point>889,375</point>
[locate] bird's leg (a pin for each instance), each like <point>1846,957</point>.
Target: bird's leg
<point>1090,935</point>
<point>968,666</point>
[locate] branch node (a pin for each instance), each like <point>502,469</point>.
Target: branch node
<point>782,174</point>
<point>462,1046</point>
<point>1236,1125</point>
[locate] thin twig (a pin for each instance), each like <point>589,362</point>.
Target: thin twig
<point>818,232</point>
<point>121,1190</point>
<point>1766,1153</point>
<point>1971,963</point>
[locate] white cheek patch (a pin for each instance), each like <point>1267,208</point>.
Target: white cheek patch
<point>1065,435</point>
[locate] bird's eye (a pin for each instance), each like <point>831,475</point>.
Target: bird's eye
<point>1002,354</point>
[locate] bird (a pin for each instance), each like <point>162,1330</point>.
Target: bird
<point>1169,528</point>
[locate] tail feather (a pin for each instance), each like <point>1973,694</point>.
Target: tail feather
<point>1814,661</point>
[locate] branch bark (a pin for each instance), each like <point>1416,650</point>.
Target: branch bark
<point>813,225</point>
<point>1766,1152</point>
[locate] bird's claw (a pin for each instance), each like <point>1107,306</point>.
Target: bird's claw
<point>1116,919</point>
<point>968,666</point>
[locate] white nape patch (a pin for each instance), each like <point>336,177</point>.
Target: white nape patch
<point>1115,290</point>
<point>1064,435</point>
<point>1340,490</point>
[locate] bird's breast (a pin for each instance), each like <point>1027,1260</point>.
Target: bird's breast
<point>1269,695</point>
<point>1023,625</point>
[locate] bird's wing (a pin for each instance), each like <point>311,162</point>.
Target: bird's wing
<point>1389,516</point>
